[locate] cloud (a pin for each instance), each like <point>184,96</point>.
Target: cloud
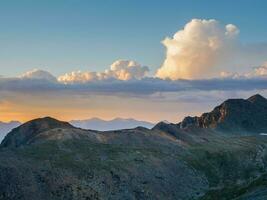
<point>257,72</point>
<point>204,48</point>
<point>126,70</point>
<point>38,74</point>
<point>120,70</point>
<point>262,70</point>
<point>78,77</point>
<point>132,87</point>
<point>141,99</point>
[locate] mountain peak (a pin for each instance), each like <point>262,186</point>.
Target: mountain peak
<point>256,98</point>
<point>234,116</point>
<point>24,133</point>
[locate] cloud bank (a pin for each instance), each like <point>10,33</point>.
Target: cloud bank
<point>82,84</point>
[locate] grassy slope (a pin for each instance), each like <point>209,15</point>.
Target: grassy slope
<point>233,168</point>
<point>87,170</point>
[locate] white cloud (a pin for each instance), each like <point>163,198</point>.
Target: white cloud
<point>204,48</point>
<point>78,77</point>
<point>120,70</point>
<point>126,70</point>
<point>37,74</point>
<point>261,70</point>
<point>257,72</point>
<point>231,30</point>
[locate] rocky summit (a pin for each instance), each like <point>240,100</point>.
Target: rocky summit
<point>220,155</point>
<point>243,116</point>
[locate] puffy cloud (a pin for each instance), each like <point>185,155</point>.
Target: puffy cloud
<point>126,70</point>
<point>120,70</point>
<point>204,48</point>
<point>195,51</point>
<point>261,70</point>
<point>37,74</point>
<point>78,77</point>
<point>231,30</point>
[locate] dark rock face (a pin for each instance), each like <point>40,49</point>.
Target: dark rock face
<point>234,115</point>
<point>189,122</point>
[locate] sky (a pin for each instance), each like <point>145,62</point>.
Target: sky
<point>150,60</point>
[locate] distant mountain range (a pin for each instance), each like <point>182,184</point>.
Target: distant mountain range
<point>6,127</point>
<point>105,125</point>
<point>220,155</point>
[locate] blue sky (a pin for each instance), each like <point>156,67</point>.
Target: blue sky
<point>62,36</point>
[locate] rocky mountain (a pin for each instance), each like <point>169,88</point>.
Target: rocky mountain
<point>106,125</point>
<point>49,159</point>
<point>6,127</point>
<point>242,116</point>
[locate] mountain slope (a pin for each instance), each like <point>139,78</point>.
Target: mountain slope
<point>115,124</point>
<point>49,159</point>
<point>234,116</point>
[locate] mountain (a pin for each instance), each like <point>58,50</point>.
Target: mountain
<point>6,127</point>
<point>27,132</point>
<point>115,124</point>
<point>242,116</point>
<point>49,159</point>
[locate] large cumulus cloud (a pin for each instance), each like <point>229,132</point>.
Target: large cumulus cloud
<point>204,48</point>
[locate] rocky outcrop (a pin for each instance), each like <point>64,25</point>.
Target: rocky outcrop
<point>238,116</point>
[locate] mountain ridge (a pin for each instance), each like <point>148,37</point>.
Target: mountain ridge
<point>227,118</point>
<point>243,116</point>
